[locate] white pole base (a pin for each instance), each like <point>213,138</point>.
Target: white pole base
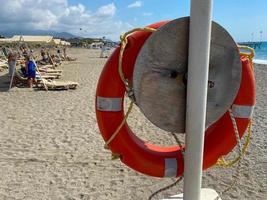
<point>206,194</point>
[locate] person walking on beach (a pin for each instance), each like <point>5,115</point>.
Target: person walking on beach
<point>65,53</point>
<point>59,54</point>
<point>30,71</point>
<point>104,49</point>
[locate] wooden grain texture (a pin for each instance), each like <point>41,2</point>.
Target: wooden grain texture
<point>160,75</point>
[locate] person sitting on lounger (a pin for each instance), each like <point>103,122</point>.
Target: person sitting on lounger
<point>25,52</point>
<point>23,71</point>
<point>45,58</point>
<point>30,71</point>
<point>66,57</point>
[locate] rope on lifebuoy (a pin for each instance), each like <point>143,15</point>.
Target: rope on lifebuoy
<point>129,89</point>
<point>222,162</point>
<point>250,55</point>
<point>120,126</point>
<point>227,164</point>
<point>176,182</point>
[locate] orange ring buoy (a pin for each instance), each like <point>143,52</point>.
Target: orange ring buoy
<point>163,161</point>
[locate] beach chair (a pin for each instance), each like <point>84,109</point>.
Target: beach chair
<point>5,52</point>
<point>49,70</point>
<point>55,75</point>
<point>19,79</point>
<point>70,59</point>
<point>47,76</point>
<point>58,85</point>
<point>3,65</point>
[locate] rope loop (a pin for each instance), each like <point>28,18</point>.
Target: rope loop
<point>227,164</point>
<point>221,161</point>
<point>241,152</point>
<point>250,55</point>
<point>124,42</point>
<point>128,86</point>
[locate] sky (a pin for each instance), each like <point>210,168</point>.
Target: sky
<point>243,19</point>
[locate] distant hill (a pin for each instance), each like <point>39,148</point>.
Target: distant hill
<point>64,35</point>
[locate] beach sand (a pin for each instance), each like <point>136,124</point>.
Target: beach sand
<point>51,148</point>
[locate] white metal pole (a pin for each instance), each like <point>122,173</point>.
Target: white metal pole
<point>198,62</point>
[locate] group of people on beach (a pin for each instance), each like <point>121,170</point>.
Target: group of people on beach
<point>28,66</point>
<point>46,58</point>
<point>38,71</point>
<point>28,69</point>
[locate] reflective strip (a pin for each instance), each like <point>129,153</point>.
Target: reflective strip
<point>109,104</point>
<point>242,111</point>
<point>170,167</point>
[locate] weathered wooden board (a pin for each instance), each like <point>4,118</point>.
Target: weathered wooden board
<point>160,75</point>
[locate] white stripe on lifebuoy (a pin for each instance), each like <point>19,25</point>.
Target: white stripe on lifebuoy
<point>109,104</point>
<point>240,111</point>
<point>170,167</point>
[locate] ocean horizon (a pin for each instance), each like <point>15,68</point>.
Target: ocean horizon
<point>261,54</point>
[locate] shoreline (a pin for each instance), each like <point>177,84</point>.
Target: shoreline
<point>260,62</point>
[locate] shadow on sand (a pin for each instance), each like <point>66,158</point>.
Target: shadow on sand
<point>4,83</point>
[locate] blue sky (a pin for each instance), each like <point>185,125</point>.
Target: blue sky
<point>240,17</point>
<point>244,19</point>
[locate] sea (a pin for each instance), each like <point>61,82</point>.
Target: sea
<point>261,53</point>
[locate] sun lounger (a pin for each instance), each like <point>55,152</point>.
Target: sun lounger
<point>3,65</point>
<point>3,60</point>
<point>51,77</point>
<point>48,70</point>
<point>56,75</point>
<point>19,76</point>
<point>58,85</point>
<point>19,79</point>
<point>47,66</point>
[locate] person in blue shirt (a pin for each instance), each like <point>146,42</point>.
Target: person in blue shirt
<point>30,71</point>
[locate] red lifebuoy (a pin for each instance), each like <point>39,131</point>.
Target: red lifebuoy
<point>148,158</point>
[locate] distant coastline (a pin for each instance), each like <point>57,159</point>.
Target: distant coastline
<point>254,45</point>
<point>260,52</point>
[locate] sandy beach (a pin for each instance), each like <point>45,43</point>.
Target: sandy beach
<point>51,148</point>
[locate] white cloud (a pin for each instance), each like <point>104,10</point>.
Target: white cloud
<point>58,15</point>
<point>107,10</point>
<point>136,4</point>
